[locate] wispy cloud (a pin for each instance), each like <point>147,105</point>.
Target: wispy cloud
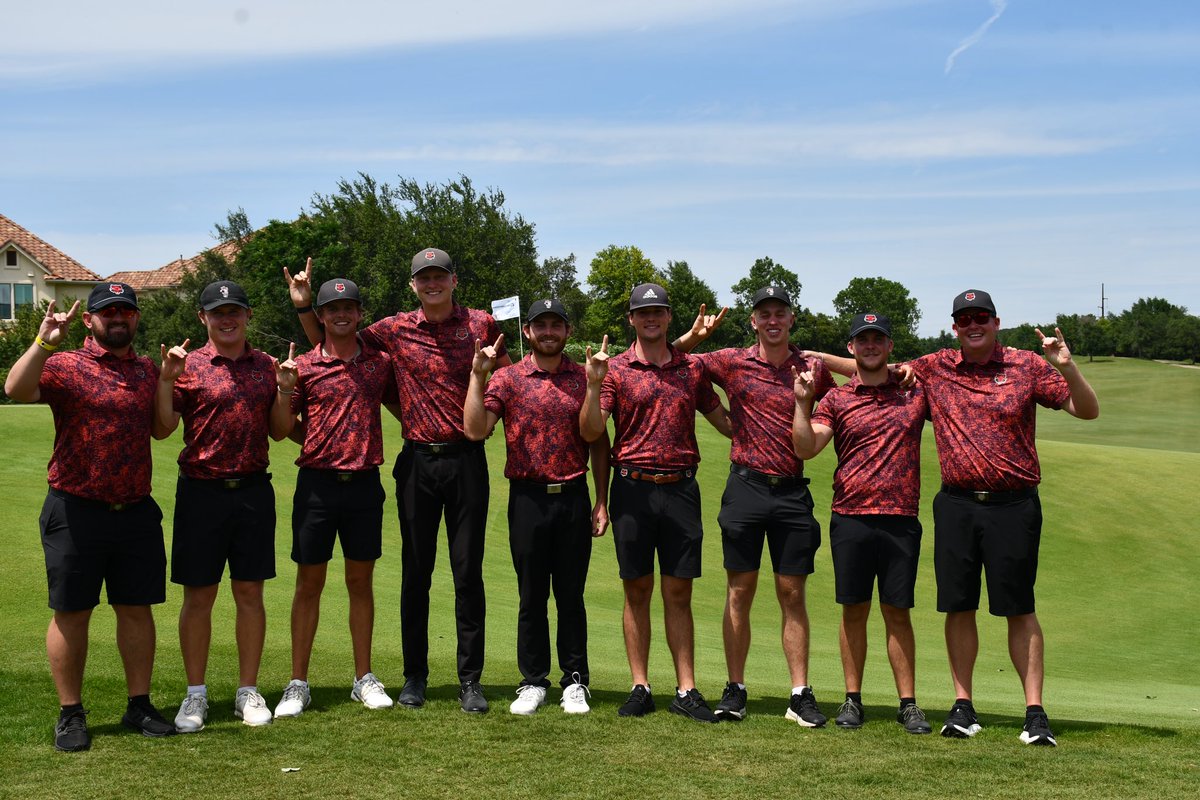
<point>998,7</point>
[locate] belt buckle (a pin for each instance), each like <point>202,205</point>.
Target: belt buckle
<point>774,480</point>
<point>116,506</point>
<point>436,449</point>
<point>554,488</point>
<point>345,477</point>
<point>982,497</point>
<point>231,483</point>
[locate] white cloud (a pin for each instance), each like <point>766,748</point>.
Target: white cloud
<point>998,7</point>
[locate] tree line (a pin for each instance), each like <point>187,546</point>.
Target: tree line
<point>367,231</point>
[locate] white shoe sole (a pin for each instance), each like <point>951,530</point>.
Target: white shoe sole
<point>799,720</point>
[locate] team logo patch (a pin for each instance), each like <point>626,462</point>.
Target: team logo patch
<point>461,333</point>
<point>870,318</point>
<point>649,295</point>
<point>430,255</point>
<point>341,287</point>
<point>141,373</point>
<point>624,473</point>
<point>546,303</point>
<point>116,288</point>
<point>258,377</point>
<point>369,367</point>
<point>1000,380</point>
<point>771,291</point>
<point>969,296</point>
<point>571,384</point>
<point>224,291</point>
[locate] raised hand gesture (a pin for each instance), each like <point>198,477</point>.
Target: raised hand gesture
<point>55,325</point>
<point>484,360</point>
<point>1055,348</point>
<point>300,285</point>
<point>286,373</point>
<point>804,386</point>
<point>173,361</point>
<point>597,363</point>
<point>706,323</point>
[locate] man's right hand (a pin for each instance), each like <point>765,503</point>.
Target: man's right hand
<point>55,325</point>
<point>300,285</point>
<point>803,386</point>
<point>484,360</point>
<point>597,363</point>
<point>173,361</point>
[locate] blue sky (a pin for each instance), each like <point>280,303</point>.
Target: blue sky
<point>1035,149</point>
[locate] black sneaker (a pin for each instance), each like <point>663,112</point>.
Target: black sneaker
<point>471,698</point>
<point>71,733</point>
<point>803,710</point>
<point>913,719</point>
<point>732,705</point>
<point>692,706</point>
<point>639,704</point>
<point>413,693</point>
<point>961,723</point>
<point>145,719</point>
<point>850,715</point>
<point>1037,730</point>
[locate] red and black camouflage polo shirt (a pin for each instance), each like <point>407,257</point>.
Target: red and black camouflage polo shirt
<point>654,409</point>
<point>339,402</point>
<point>540,411</point>
<point>761,404</point>
<point>877,435</point>
<point>103,410</point>
<point>226,407</point>
<point>432,364</point>
<point>984,415</point>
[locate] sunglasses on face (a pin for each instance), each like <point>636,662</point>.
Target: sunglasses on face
<point>112,312</point>
<point>967,317</point>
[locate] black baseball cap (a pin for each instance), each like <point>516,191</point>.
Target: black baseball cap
<point>432,257</point>
<point>111,293</point>
<point>647,295</point>
<point>337,289</point>
<point>973,298</point>
<point>223,293</point>
<point>771,293</point>
<point>870,321</point>
<point>550,305</point>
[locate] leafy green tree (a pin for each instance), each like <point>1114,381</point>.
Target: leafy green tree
<point>615,270</point>
<point>16,338</point>
<point>563,281</point>
<point>819,332</point>
<point>931,344</point>
<point>1022,337</point>
<point>687,292</point>
<point>1142,331</point>
<point>886,297</point>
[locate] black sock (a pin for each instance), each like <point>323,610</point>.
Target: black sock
<point>66,711</point>
<point>855,696</point>
<point>1034,710</point>
<point>905,702</point>
<point>140,700</point>
<point>963,701</point>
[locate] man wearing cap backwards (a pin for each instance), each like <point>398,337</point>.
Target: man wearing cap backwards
<point>652,392</point>
<point>987,517</point>
<point>230,397</point>
<point>766,495</point>
<point>340,385</point>
<point>874,533</point>
<point>551,521</point>
<point>439,470</point>
<point>99,523</point>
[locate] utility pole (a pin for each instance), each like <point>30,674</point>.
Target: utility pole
<point>1102,299</point>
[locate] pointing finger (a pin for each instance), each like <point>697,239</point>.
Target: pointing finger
<point>499,342</point>
<point>604,345</point>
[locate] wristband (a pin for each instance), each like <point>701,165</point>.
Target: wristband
<point>304,309</point>
<point>42,343</point>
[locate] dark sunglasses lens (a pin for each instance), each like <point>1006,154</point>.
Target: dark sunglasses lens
<point>979,318</point>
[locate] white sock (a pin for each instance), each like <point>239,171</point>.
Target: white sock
<point>244,689</point>
<point>798,689</point>
<point>201,690</point>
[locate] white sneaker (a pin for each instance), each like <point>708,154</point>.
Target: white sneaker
<point>529,698</point>
<point>193,711</point>
<point>296,698</point>
<point>574,699</point>
<point>251,708</point>
<point>370,692</point>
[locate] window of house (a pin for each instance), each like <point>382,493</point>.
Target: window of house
<point>10,258</point>
<point>13,297</point>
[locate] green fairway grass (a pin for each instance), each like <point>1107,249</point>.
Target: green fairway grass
<point>1117,596</point>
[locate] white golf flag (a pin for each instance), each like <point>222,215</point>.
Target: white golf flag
<point>507,308</point>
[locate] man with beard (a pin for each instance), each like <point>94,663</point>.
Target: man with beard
<point>440,472</point>
<point>652,392</point>
<point>551,521</point>
<point>766,496</point>
<point>99,524</point>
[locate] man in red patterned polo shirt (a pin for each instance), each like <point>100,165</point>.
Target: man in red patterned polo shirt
<point>766,495</point>
<point>230,397</point>
<point>439,471</point>
<point>340,386</point>
<point>551,521</point>
<point>874,532</point>
<point>99,523</point>
<point>987,517</point>
<point>652,391</point>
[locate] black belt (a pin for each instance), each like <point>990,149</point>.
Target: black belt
<point>444,448</point>
<point>103,505</point>
<point>341,476</point>
<point>991,497</point>
<point>552,488</point>
<point>653,475</point>
<point>769,480</point>
<point>233,482</point>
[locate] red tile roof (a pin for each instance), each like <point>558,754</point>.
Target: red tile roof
<point>171,275</point>
<point>60,265</point>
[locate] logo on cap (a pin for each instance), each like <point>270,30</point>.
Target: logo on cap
<point>969,296</point>
<point>870,318</point>
<point>224,291</point>
<point>771,291</point>
<point>341,287</point>
<point>546,303</point>
<point>649,295</point>
<point>116,288</point>
<point>430,255</point>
